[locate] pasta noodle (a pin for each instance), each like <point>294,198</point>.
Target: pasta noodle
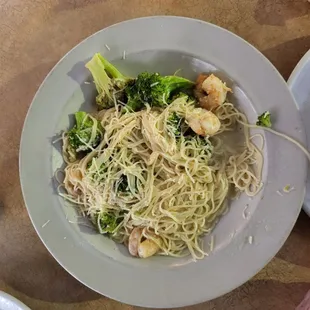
<point>175,188</point>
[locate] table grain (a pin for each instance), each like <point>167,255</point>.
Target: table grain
<point>34,35</point>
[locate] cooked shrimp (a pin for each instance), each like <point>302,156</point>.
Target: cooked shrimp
<point>199,92</point>
<point>210,91</point>
<point>147,248</point>
<point>200,79</point>
<point>134,241</point>
<point>142,249</point>
<point>216,90</point>
<point>203,122</point>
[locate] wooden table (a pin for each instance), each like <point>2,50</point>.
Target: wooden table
<point>34,35</point>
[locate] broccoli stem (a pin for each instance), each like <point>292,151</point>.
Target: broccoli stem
<point>110,69</point>
<point>102,81</point>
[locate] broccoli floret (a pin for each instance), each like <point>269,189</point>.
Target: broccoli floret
<point>181,95</point>
<point>110,82</point>
<point>106,223</point>
<point>174,123</point>
<point>154,89</point>
<point>96,172</point>
<point>205,144</point>
<point>200,142</point>
<point>81,137</point>
<point>264,120</point>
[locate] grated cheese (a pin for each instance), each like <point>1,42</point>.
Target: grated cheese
<point>245,214</point>
<point>279,193</point>
<point>80,223</point>
<point>107,46</point>
<point>212,243</point>
<point>45,223</point>
<point>57,140</point>
<point>250,239</point>
<point>232,234</point>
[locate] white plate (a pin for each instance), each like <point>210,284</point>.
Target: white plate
<point>8,302</point>
<point>299,84</point>
<point>165,44</point>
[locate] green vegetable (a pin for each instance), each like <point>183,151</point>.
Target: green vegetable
<point>154,89</point>
<point>107,223</point>
<point>110,82</point>
<point>95,172</point>
<point>264,120</point>
<point>81,137</point>
<point>200,142</point>
<point>174,123</point>
<point>187,97</point>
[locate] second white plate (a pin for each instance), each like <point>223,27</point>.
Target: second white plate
<point>8,302</point>
<point>299,84</point>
